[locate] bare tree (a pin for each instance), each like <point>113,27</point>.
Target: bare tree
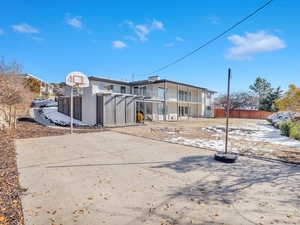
<point>237,100</point>
<point>15,98</point>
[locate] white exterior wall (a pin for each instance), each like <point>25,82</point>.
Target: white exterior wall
<point>198,104</point>
<point>171,111</point>
<point>89,106</point>
<point>100,85</point>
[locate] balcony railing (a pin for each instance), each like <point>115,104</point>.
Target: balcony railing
<point>156,95</point>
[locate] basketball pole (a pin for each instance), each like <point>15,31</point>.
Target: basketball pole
<point>71,109</point>
<point>227,110</point>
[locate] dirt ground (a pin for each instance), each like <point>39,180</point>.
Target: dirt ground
<point>246,136</point>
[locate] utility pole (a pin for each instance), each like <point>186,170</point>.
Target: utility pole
<point>227,109</point>
<point>224,156</point>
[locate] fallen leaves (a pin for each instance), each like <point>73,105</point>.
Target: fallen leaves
<point>2,219</point>
<point>10,191</point>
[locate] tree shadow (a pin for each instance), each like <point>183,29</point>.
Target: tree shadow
<point>226,182</point>
<point>247,183</point>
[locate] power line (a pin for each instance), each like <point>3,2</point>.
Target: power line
<point>211,40</point>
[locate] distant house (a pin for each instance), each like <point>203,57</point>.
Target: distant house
<point>157,99</point>
<point>46,89</point>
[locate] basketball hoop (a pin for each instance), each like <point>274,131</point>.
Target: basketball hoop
<point>77,79</point>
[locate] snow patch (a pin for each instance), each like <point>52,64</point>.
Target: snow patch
<point>58,118</point>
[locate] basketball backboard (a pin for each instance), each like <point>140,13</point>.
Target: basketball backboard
<point>77,79</point>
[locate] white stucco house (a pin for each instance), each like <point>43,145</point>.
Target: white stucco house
<point>157,99</point>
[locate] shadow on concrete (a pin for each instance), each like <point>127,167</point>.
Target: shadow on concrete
<point>232,179</point>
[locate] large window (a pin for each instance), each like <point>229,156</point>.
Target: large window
<point>183,110</point>
<point>144,91</point>
<point>109,87</point>
<point>160,108</point>
<point>161,93</point>
<point>136,90</point>
<point>184,96</point>
<point>123,89</point>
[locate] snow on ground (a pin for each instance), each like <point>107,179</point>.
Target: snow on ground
<point>58,118</point>
<point>268,133</point>
<point>213,144</point>
<point>218,145</point>
<point>44,103</point>
<point>262,133</point>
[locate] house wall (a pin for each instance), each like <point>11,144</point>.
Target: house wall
<point>98,86</point>
<point>198,104</point>
<point>89,106</point>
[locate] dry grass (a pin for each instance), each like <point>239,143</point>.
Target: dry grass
<point>193,129</point>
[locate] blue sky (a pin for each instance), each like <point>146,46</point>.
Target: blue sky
<point>116,39</point>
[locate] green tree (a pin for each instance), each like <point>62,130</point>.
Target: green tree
<point>267,103</point>
<point>261,87</point>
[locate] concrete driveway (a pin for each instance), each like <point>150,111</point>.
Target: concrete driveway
<point>112,178</point>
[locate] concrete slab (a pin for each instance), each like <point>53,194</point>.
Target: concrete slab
<point>111,178</point>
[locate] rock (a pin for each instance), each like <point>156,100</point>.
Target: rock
<point>277,118</point>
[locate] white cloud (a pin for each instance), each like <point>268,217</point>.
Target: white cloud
<point>170,44</point>
<point>253,43</point>
<point>179,39</point>
<point>214,20</point>
<point>157,25</point>
<point>1,31</point>
<point>119,44</point>
<point>74,22</point>
<point>143,30</point>
<point>25,28</point>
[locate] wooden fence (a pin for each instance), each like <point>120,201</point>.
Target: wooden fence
<point>64,106</point>
<point>247,114</point>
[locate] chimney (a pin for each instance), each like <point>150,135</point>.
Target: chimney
<point>154,78</point>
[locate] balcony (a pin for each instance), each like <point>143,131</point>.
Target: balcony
<point>172,97</point>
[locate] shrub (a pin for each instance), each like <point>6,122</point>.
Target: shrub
<point>286,127</point>
<point>295,131</point>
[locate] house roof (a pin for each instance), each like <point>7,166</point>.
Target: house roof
<point>145,82</point>
<point>108,80</point>
<point>141,82</point>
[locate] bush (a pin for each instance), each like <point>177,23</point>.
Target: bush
<point>295,131</point>
<point>286,127</point>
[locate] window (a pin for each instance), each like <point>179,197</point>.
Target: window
<point>186,110</point>
<point>109,87</point>
<point>149,108</point>
<point>144,91</point>
<point>184,96</point>
<point>123,89</point>
<point>183,110</point>
<point>161,93</point>
<point>160,108</point>
<point>136,90</point>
